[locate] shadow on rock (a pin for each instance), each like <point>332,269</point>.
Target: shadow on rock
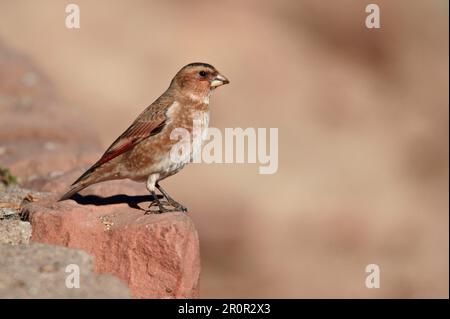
<point>131,201</point>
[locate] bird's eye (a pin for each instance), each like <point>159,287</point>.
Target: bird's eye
<point>202,73</point>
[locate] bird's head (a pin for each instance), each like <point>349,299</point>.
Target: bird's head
<point>197,80</point>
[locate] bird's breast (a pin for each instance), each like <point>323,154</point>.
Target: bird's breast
<point>199,132</point>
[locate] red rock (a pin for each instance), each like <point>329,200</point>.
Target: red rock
<point>156,254</point>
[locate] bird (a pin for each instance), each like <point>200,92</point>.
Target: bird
<point>142,152</point>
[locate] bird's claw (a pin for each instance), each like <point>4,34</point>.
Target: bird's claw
<point>177,207</point>
<point>181,208</point>
<point>161,209</point>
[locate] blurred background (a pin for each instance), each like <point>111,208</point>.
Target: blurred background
<point>363,130</point>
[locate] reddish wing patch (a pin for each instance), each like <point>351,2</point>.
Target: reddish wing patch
<point>115,152</point>
<point>130,138</point>
<point>135,134</point>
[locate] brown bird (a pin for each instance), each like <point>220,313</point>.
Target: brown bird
<point>142,152</point>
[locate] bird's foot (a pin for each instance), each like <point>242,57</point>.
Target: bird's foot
<point>156,207</point>
<point>159,208</point>
<point>177,206</point>
<point>180,208</point>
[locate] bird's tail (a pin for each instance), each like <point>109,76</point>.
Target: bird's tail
<point>73,190</point>
<point>92,176</point>
<point>81,183</point>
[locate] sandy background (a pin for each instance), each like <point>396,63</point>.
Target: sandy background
<point>363,130</point>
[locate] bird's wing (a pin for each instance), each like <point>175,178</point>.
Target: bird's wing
<point>149,123</point>
<point>137,132</point>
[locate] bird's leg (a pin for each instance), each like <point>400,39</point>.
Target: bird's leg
<point>156,200</point>
<point>151,188</point>
<point>170,200</point>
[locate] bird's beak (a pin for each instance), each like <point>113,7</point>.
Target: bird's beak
<point>218,81</point>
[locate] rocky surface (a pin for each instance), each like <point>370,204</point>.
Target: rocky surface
<point>41,271</point>
<point>12,230</point>
<point>37,271</point>
<point>157,255</point>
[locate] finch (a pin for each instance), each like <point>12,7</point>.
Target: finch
<point>142,152</point>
